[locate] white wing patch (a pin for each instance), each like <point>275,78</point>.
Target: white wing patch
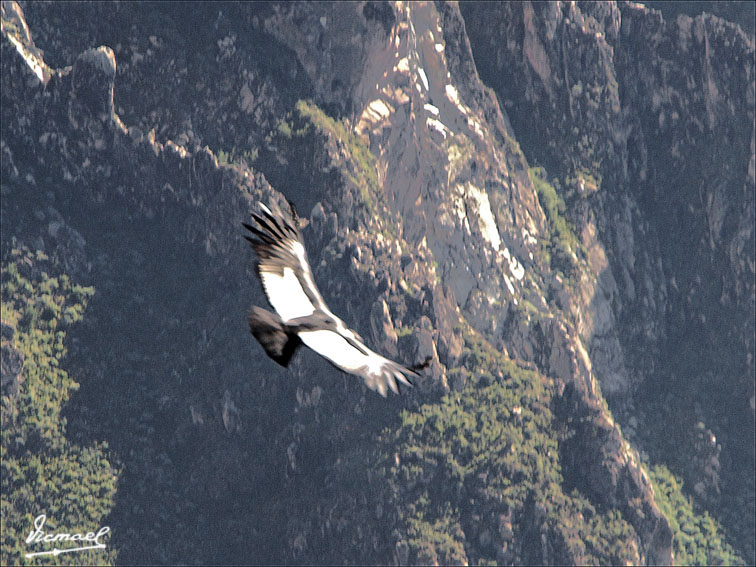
<point>335,348</point>
<point>286,294</point>
<point>299,251</point>
<point>378,372</point>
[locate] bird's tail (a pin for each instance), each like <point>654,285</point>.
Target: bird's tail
<point>272,333</point>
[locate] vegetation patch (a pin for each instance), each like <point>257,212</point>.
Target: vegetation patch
<point>563,245</point>
<point>698,538</point>
<point>238,157</point>
<point>42,472</point>
<point>359,165</point>
<point>473,476</point>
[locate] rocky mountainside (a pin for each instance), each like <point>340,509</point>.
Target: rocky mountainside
<point>552,201</point>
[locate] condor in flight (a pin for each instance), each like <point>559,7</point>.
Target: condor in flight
<point>302,315</point>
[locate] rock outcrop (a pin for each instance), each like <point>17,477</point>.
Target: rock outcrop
<point>618,268</point>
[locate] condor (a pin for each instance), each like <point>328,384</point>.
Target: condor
<point>301,314</point>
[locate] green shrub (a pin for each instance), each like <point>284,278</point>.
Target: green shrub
<point>454,467</point>
<point>698,538</point>
<point>563,244</point>
<point>42,472</point>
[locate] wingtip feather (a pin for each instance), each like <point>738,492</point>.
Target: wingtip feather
<point>404,379</point>
<point>392,383</point>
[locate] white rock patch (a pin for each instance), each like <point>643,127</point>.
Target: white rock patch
<point>30,59</point>
<point>423,77</point>
<point>487,221</point>
<point>430,108</point>
<point>437,125</point>
<point>453,96</point>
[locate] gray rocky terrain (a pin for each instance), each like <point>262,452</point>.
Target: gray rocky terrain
<point>553,202</point>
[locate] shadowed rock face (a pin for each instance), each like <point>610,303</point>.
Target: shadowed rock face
<point>648,114</point>
<point>426,226</point>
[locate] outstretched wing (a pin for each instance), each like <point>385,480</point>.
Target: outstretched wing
<point>287,280</point>
<point>283,267</point>
<point>344,351</point>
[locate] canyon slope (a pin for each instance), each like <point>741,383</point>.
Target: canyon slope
<point>553,203</point>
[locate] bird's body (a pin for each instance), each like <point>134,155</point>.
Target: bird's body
<point>301,314</point>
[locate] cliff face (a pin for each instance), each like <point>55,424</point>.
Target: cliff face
<point>622,267</point>
<point>665,119</point>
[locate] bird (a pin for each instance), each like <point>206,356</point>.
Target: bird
<point>301,315</point>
